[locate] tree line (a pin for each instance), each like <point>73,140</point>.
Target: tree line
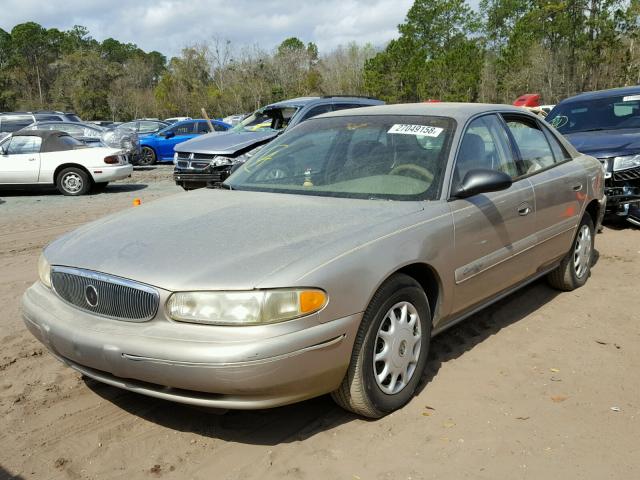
<point>445,50</point>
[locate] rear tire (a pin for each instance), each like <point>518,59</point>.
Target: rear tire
<point>147,157</point>
<point>575,268</point>
<point>392,341</point>
<point>73,181</point>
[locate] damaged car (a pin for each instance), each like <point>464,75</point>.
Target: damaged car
<point>606,124</point>
<point>208,160</point>
<point>348,243</point>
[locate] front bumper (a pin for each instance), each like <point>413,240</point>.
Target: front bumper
<point>111,173</point>
<point>200,367</point>
<point>211,178</point>
<point>622,187</point>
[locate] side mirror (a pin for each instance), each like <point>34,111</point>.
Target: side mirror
<point>481,180</point>
<point>169,135</point>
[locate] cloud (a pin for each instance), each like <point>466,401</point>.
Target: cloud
<point>170,25</point>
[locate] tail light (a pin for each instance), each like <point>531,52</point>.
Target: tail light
<point>112,159</point>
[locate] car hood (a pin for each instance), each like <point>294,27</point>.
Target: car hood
<point>606,143</point>
<point>221,239</point>
<point>225,143</point>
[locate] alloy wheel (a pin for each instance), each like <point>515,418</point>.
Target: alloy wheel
<point>72,182</point>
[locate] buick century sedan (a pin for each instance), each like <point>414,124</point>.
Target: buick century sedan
<point>327,263</point>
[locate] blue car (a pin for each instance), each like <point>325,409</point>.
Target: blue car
<point>158,147</point>
<point>606,125</point>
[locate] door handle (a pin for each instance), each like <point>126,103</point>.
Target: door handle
<point>524,209</point>
<point>577,188</point>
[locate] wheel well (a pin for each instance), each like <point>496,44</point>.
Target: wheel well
<point>593,209</point>
<point>69,165</point>
<point>428,279</point>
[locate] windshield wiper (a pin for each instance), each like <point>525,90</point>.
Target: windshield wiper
<point>591,130</point>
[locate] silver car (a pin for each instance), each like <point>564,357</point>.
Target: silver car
<point>328,262</point>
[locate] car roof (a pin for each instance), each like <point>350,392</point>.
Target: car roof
<point>50,139</point>
<point>612,92</point>
<point>301,101</point>
<point>60,122</point>
<point>458,111</point>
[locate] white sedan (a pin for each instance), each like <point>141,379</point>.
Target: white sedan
<point>55,158</point>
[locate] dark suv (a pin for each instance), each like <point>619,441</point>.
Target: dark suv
<point>606,125</point>
<point>209,159</point>
<point>13,121</point>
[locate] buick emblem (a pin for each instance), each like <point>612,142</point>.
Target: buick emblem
<point>91,296</point>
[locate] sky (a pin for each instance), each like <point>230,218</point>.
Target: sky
<point>169,25</point>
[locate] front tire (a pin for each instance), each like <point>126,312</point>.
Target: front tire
<point>73,181</point>
<point>390,350</point>
<point>575,268</point>
<point>147,157</point>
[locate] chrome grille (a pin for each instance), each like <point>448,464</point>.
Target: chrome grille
<point>183,164</point>
<point>117,297</point>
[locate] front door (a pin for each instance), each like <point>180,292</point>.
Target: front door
<point>493,232</point>
<point>20,162</point>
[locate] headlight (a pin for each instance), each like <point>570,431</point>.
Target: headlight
<point>629,161</point>
<point>44,271</point>
<point>255,307</point>
<point>220,161</point>
<point>175,158</point>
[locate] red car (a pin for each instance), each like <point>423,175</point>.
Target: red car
<point>528,100</point>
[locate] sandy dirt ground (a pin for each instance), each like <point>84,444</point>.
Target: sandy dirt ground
<point>542,385</point>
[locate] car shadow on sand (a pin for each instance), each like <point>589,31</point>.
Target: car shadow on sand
<point>303,420</point>
<point>51,191</point>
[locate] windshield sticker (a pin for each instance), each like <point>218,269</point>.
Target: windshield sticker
<point>559,121</point>
<point>419,130</point>
<point>631,98</point>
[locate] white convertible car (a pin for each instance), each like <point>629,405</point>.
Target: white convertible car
<point>55,158</point>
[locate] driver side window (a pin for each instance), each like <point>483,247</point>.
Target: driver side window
<point>24,145</point>
<point>485,145</point>
<point>183,129</point>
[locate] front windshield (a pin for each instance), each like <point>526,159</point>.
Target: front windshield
<point>609,113</point>
<point>372,157</point>
<point>268,118</point>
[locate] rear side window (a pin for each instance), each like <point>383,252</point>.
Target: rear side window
<point>317,110</point>
<point>559,152</point>
<point>24,145</point>
<point>532,143</point>
<point>146,127</point>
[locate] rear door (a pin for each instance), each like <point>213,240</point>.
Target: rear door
<point>494,231</point>
<point>558,182</point>
<point>20,162</point>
